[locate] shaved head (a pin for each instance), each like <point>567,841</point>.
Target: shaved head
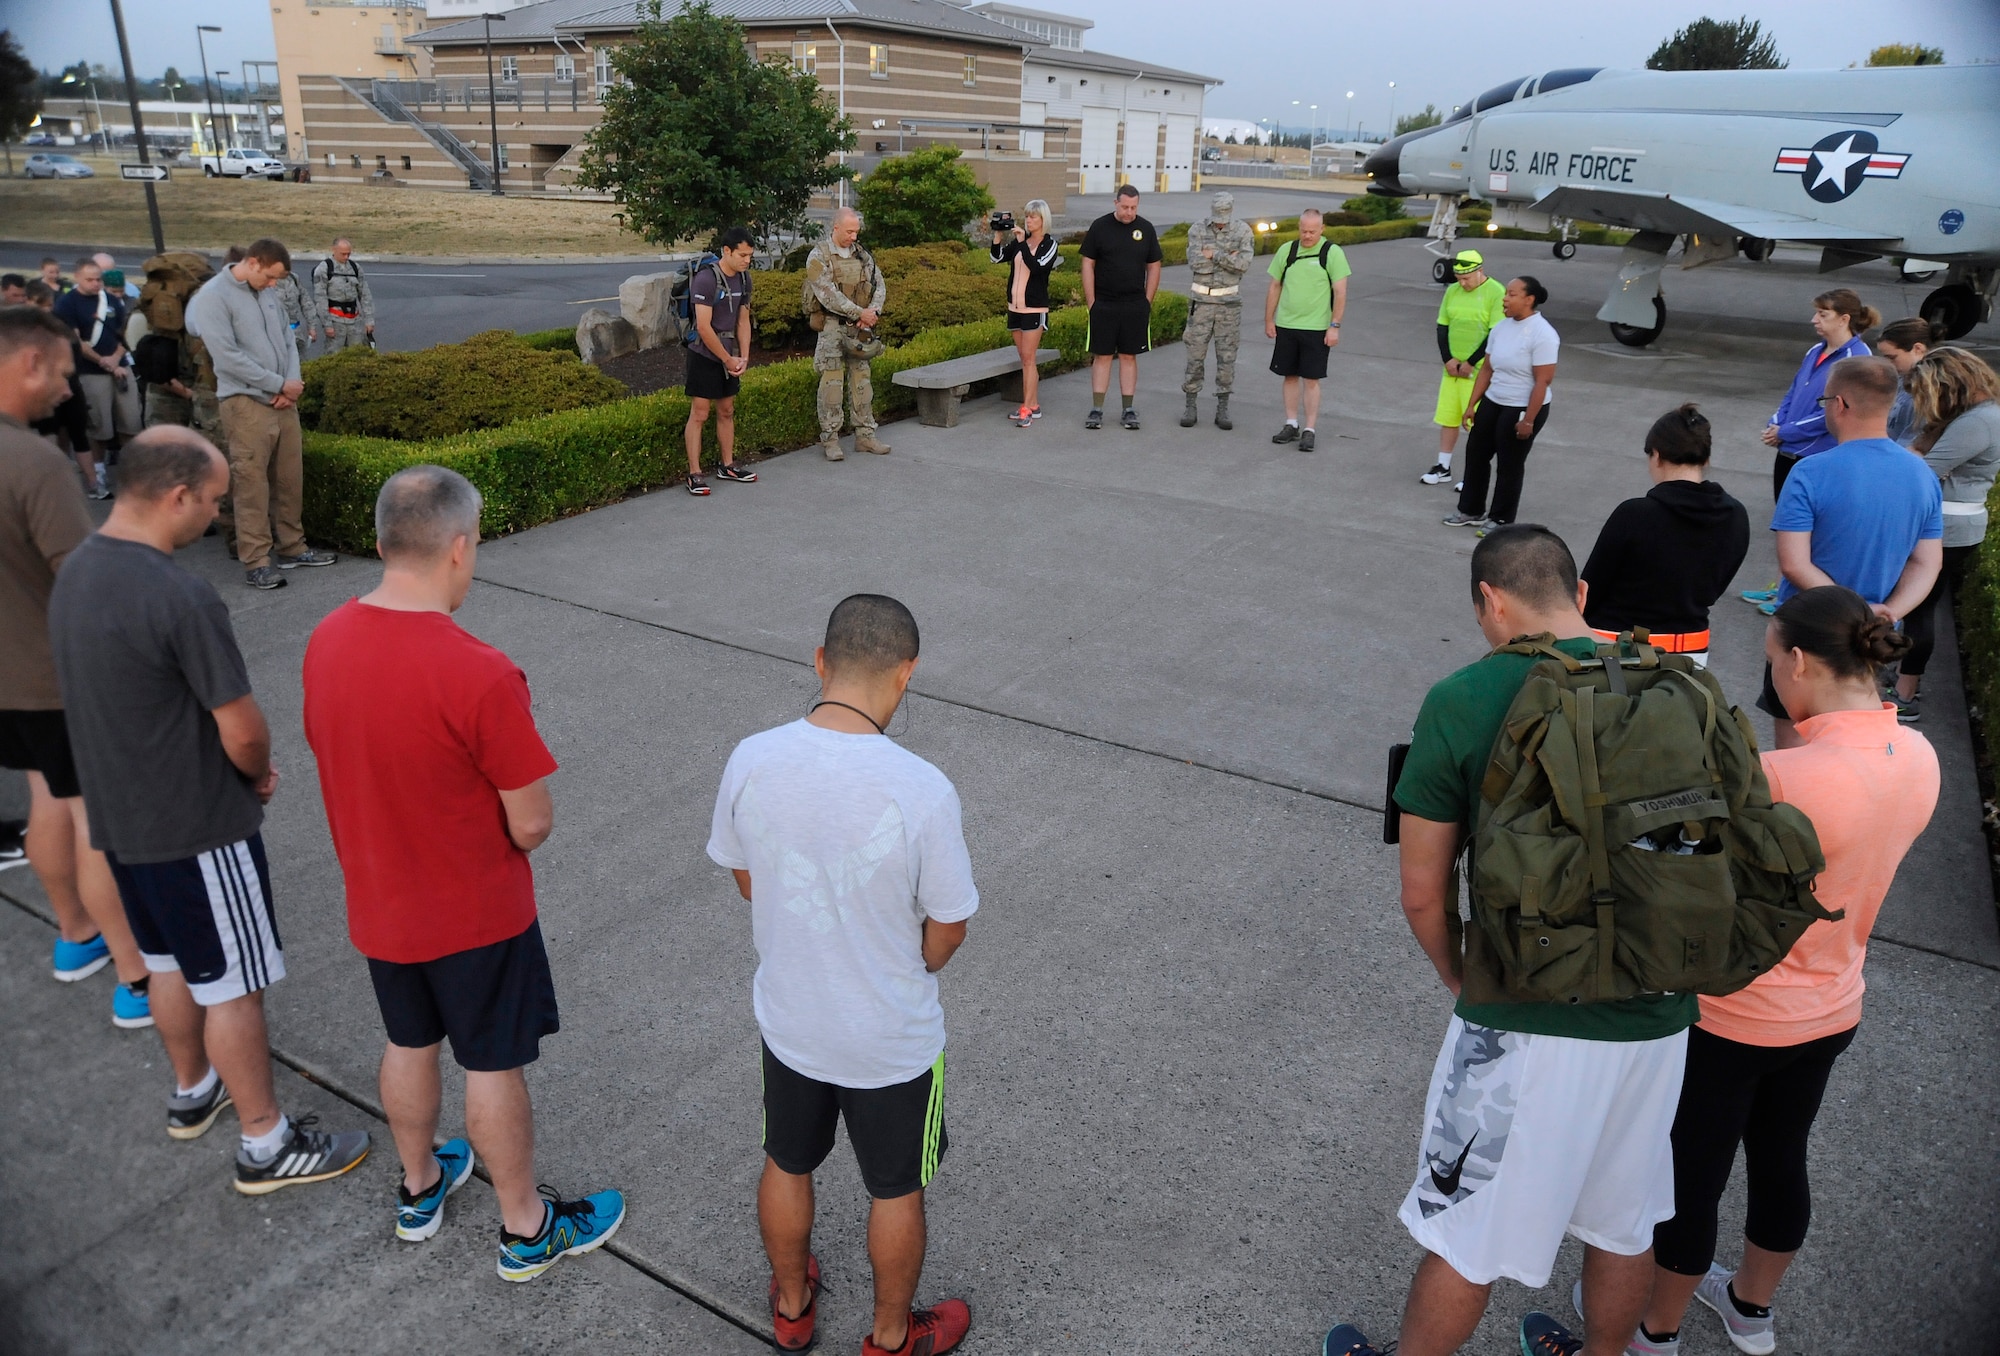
<point>869,633</point>
<point>165,457</point>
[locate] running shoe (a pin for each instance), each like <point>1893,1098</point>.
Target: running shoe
<point>1756,1336</point>
<point>1437,475</point>
<point>1907,711</point>
<point>418,1217</point>
<point>81,960</point>
<point>1095,419</point>
<point>1130,419</point>
<point>933,1331</point>
<point>131,1009</point>
<point>1307,438</point>
<point>1640,1345</point>
<point>697,486</point>
<point>1768,609</point>
<point>1024,416</point>
<point>264,577</point>
<point>307,559</point>
<point>796,1334</point>
<point>13,842</point>
<point>569,1228</point>
<point>1768,595</point>
<point>1543,1336</point>
<point>309,1155</point>
<point>1466,520</point>
<point>1344,1339</point>
<point>1288,434</point>
<point>190,1117</point>
<point>736,473</point>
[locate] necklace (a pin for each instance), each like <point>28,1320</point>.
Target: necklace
<point>828,701</point>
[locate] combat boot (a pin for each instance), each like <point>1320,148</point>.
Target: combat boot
<point>1221,412</point>
<point>867,442</point>
<point>1190,416</point>
<point>831,446</point>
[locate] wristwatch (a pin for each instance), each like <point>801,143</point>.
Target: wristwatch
<point>1336,324</point>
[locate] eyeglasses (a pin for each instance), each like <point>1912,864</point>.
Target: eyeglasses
<point>1824,401</point>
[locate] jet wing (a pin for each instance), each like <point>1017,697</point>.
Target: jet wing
<point>1636,210</point>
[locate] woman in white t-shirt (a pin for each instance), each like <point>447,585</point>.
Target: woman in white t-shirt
<point>1510,403</point>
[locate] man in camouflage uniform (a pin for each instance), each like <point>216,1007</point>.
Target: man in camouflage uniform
<point>190,399</point>
<point>844,293</point>
<point>298,300</point>
<point>1219,251</point>
<point>344,305</point>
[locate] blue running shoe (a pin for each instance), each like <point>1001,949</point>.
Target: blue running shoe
<point>1347,1340</point>
<point>131,1009</point>
<point>1543,1336</point>
<point>569,1228</point>
<point>81,960</point>
<point>418,1217</point>
<point>1768,609</point>
<point>1768,595</point>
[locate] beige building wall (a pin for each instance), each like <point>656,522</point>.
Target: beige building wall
<point>340,37</point>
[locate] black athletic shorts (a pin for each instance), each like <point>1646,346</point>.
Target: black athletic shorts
<point>897,1132</point>
<point>1120,325</point>
<point>1768,700</point>
<point>708,379</point>
<point>495,1002</point>
<point>38,741</point>
<point>1027,320</point>
<point>1300,353</point>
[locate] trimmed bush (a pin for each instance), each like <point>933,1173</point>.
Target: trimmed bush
<point>1374,206</point>
<point>550,341</point>
<point>489,380</point>
<point>1270,242</point>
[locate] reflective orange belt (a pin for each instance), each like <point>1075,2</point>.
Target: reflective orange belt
<point>1688,642</point>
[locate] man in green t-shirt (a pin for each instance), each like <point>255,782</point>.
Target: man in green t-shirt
<point>1302,313</point>
<point>1543,1118</point>
<point>1471,307</point>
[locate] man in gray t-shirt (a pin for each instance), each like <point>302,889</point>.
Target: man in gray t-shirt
<point>174,758</point>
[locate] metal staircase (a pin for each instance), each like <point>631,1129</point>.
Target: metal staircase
<point>383,97</point>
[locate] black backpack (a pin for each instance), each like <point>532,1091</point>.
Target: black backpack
<point>1292,257</point>
<point>157,359</point>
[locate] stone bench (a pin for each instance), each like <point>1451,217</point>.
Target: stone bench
<point>940,386</point>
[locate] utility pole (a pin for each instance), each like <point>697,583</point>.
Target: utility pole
<point>138,125</point>
<point>493,102</point>
<point>208,91</point>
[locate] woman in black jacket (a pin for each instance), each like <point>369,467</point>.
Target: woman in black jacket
<point>1662,560</point>
<point>1030,252</point>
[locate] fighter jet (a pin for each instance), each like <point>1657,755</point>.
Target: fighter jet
<point>1890,163</point>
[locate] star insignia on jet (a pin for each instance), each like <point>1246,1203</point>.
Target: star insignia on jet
<point>1833,168</point>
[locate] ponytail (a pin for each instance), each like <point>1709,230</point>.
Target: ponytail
<point>1906,334</point>
<point>1842,301</point>
<point>1836,627</point>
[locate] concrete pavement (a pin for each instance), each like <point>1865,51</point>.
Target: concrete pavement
<point>1189,1033</point>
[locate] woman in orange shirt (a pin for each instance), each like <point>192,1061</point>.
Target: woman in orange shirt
<point>1758,1062</point>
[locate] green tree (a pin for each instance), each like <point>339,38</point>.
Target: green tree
<point>925,195</point>
<point>1410,122</point>
<point>1718,45</point>
<point>698,135</point>
<point>1906,54</point>
<point>20,95</point>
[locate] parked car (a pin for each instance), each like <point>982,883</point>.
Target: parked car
<point>240,163</point>
<point>42,139</point>
<point>46,166</point>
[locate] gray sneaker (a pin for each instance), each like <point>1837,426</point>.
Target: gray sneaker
<point>190,1117</point>
<point>1465,520</point>
<point>1756,1336</point>
<point>264,577</point>
<point>307,558</point>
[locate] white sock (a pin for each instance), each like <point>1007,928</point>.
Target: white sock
<point>1311,429</point>
<point>1291,423</point>
<point>200,1089</point>
<point>263,1148</point>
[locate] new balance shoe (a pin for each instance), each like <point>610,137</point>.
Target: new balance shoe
<point>796,1334</point>
<point>1344,1339</point>
<point>264,577</point>
<point>1437,475</point>
<point>309,1155</point>
<point>569,1229</point>
<point>131,1009</point>
<point>81,960</point>
<point>1543,1336</point>
<point>1640,1345</point>
<point>418,1217</point>
<point>1466,520</point>
<point>190,1117</point>
<point>1747,1333</point>
<point>933,1331</point>
<point>1130,419</point>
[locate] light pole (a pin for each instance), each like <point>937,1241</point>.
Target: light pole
<point>90,83</point>
<point>228,129</point>
<point>208,93</point>
<point>1392,108</point>
<point>493,102</point>
<point>138,125</point>
<point>1350,116</point>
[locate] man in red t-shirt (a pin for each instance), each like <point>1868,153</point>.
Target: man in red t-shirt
<point>436,791</point>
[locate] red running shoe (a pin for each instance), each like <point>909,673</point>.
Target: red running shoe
<point>796,1334</point>
<point>933,1332</point>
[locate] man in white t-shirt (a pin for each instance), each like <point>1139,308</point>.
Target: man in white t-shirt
<point>1509,405</point>
<point>851,854</point>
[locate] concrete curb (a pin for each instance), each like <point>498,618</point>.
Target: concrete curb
<point>544,260</point>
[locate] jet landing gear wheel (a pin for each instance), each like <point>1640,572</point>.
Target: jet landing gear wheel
<point>1564,249</point>
<point>1633,337</point>
<point>1955,309</point>
<point>1441,271</point>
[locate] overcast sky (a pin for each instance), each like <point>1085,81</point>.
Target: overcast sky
<point>1286,50</point>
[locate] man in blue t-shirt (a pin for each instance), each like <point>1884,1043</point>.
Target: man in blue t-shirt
<point>1865,515</point>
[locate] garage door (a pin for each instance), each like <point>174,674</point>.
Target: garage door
<point>1177,166</point>
<point>1100,151</point>
<point>1142,145</point>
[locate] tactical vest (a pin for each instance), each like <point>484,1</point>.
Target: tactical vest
<point>853,277</point>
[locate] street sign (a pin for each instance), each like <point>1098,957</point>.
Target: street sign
<point>153,172</point>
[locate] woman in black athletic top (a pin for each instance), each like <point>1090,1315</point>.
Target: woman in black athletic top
<point>1030,252</point>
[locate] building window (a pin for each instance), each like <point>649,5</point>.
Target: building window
<point>406,162</point>
<point>357,161</point>
<point>510,69</point>
<point>565,66</point>
<point>382,162</point>
<point>971,69</point>
<point>878,60</point>
<point>600,61</point>
<point>805,58</point>
<point>503,156</point>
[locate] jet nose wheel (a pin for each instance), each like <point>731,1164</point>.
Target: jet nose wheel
<point>1955,309</point>
<point>1564,249</point>
<point>1441,271</point>
<point>1633,337</point>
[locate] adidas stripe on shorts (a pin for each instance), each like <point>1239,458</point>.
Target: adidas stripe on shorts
<point>209,917</point>
<point>1529,1137</point>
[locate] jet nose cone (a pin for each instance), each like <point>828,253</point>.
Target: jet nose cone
<point>1384,168</point>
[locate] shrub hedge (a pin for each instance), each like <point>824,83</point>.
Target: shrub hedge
<point>537,470</point>
<point>1977,611</point>
<point>551,341</point>
<point>488,380</point>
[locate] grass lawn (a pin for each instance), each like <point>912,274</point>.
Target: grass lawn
<point>203,213</point>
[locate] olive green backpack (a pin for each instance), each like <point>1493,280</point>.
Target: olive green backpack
<point>1625,841</point>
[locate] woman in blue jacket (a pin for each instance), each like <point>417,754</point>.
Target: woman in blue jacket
<point>1798,429</point>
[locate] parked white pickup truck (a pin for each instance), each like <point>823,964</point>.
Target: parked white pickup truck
<point>238,163</point>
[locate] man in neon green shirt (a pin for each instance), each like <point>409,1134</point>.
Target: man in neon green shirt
<point>1466,315</point>
<point>1302,313</point>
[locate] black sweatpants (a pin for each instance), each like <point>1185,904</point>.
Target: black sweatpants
<point>1493,435</point>
<point>1763,1097</point>
<point>1921,625</point>
<point>1781,471</point>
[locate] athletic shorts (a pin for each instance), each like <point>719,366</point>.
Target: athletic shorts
<point>1120,325</point>
<point>1454,396</point>
<point>897,1132</point>
<point>1529,1137</point>
<point>38,741</point>
<point>1028,320</point>
<point>1768,700</point>
<point>208,916</point>
<point>494,1002</point>
<point>708,379</point>
<point>1300,353</point>
<point>113,406</point>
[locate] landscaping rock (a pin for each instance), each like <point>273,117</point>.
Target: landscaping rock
<point>643,299</point>
<point>601,335</point>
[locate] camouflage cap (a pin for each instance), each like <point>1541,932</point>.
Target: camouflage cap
<point>1222,205</point>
